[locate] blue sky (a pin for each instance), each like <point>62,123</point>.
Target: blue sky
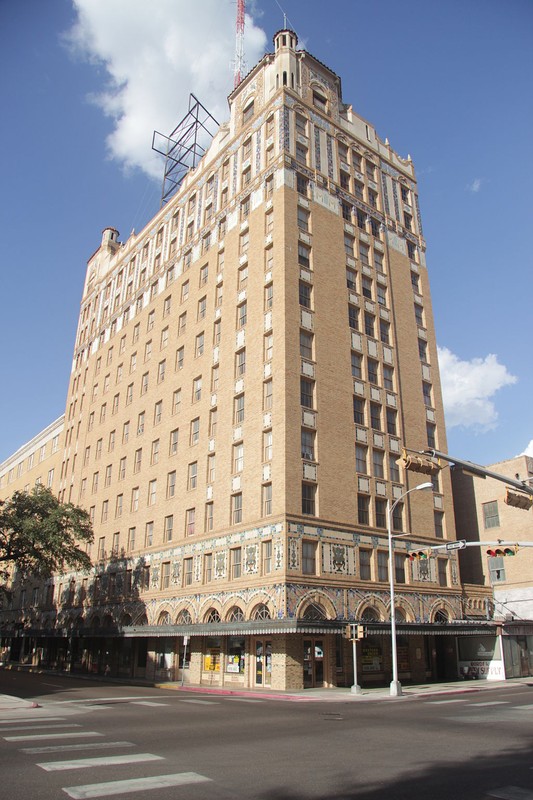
<point>447,81</point>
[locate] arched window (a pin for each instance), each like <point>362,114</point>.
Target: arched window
<point>261,612</point>
<point>442,616</point>
<point>212,616</point>
<point>164,618</point>
<point>370,615</point>
<point>235,614</point>
<point>314,611</point>
<point>184,617</point>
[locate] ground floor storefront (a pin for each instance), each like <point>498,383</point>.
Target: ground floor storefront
<point>280,656</point>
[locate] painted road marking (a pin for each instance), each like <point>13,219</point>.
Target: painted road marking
<point>147,703</point>
<point>25,719</point>
<point>41,736</point>
<point>41,727</point>
<point>244,700</point>
<point>441,702</point>
<point>511,793</point>
<point>61,748</point>
<point>491,703</point>
<point>133,785</point>
<point>201,702</point>
<point>102,761</point>
<point>125,698</point>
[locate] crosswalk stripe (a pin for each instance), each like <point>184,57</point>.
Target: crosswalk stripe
<point>441,702</point>
<point>201,702</point>
<point>244,700</point>
<point>101,761</point>
<point>118,698</point>
<point>146,703</point>
<point>491,703</point>
<point>511,793</point>
<point>41,727</point>
<point>40,736</point>
<point>62,748</point>
<point>25,719</point>
<point>133,785</point>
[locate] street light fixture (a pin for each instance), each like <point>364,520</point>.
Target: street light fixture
<point>395,685</point>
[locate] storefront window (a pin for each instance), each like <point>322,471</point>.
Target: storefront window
<point>371,657</point>
<point>212,654</point>
<point>164,653</point>
<point>235,655</point>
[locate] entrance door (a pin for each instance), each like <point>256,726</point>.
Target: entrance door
<point>313,663</point>
<point>263,662</point>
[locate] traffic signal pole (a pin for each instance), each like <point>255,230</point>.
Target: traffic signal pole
<point>480,472</point>
<point>460,544</point>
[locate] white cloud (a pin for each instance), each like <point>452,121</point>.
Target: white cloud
<point>529,450</point>
<point>154,54</point>
<point>468,388</point>
<point>475,186</point>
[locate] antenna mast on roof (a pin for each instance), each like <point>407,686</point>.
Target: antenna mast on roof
<point>238,70</point>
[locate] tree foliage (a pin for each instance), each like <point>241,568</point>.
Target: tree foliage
<point>39,535</point>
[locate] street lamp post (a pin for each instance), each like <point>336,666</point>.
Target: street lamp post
<point>395,685</point>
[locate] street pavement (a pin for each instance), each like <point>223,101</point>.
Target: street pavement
<point>86,738</point>
<point>342,695</point>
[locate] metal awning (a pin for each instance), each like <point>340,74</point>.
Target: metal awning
<point>433,629</point>
<point>270,628</point>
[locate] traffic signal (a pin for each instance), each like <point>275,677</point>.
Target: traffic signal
<point>518,499</point>
<point>423,464</point>
<point>501,552</point>
<point>354,632</point>
<point>418,555</point>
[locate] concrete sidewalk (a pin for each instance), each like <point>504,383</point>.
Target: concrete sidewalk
<point>343,695</point>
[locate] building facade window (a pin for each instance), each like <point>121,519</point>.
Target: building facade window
<point>491,517</point>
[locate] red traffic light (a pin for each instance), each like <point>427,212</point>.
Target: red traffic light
<point>500,552</point>
<point>418,555</point>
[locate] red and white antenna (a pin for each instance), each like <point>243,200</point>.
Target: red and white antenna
<point>238,70</point>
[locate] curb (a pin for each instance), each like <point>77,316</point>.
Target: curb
<point>9,703</point>
<point>237,693</point>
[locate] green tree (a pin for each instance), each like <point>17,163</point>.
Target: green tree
<point>39,535</point>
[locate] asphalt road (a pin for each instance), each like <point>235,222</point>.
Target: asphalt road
<point>98,740</point>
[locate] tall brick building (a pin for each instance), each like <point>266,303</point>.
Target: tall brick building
<point>246,372</point>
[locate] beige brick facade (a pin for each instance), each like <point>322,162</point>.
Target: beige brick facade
<point>246,373</point>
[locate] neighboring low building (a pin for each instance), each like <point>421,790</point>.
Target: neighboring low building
<point>482,514</point>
